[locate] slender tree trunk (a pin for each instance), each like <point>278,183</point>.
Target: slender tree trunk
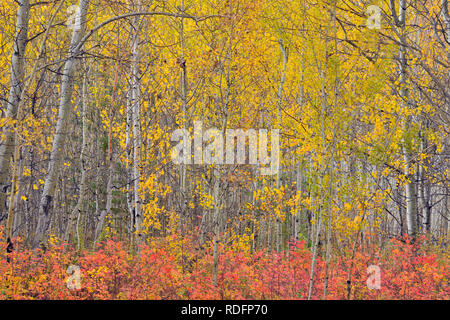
<point>298,215</point>
<point>44,216</point>
<point>323,170</point>
<point>216,228</point>
<point>76,212</point>
<point>135,101</point>
<point>331,164</point>
<point>19,214</point>
<point>320,210</point>
<point>425,188</point>
<point>410,187</point>
<point>300,164</point>
<point>279,225</point>
<point>183,90</point>
<point>411,196</point>
<point>15,92</point>
<point>129,160</point>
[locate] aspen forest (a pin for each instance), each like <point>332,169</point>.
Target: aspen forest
<point>224,149</point>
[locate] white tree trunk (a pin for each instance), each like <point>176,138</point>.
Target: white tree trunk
<point>323,166</point>
<point>183,89</point>
<point>61,126</point>
<point>410,187</point>
<point>129,160</point>
<point>136,106</point>
<point>16,86</point>
<point>279,225</point>
<point>19,215</point>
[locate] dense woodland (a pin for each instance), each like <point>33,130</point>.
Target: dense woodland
<point>92,90</point>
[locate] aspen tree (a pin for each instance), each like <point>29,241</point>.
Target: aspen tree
<point>330,194</point>
<point>323,168</point>
<point>279,225</point>
<point>67,80</point>
<point>15,93</point>
<point>410,186</point>
<point>135,92</point>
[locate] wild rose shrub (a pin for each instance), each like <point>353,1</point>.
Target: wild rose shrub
<point>408,271</point>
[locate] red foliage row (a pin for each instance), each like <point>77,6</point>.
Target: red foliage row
<point>111,272</point>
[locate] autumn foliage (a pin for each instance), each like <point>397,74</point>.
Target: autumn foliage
<point>134,147</point>
<point>160,271</point>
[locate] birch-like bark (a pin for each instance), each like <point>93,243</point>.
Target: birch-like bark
<point>425,188</point>
<point>61,126</point>
<point>300,167</point>
<point>217,172</point>
<point>110,162</point>
<point>24,85</point>
<point>322,173</point>
<point>331,169</point>
<point>129,160</point>
<point>183,89</point>
<point>12,198</point>
<point>136,106</point>
<point>16,86</point>
<point>411,185</point>
<point>411,194</point>
<point>19,215</point>
<point>279,225</point>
